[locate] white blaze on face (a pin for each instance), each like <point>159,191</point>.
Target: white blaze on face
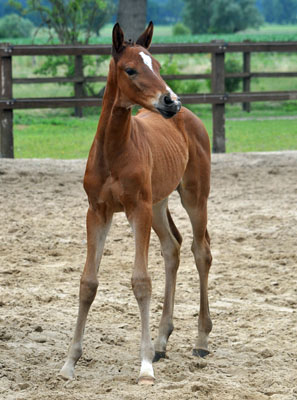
<point>172,94</point>
<point>147,60</point>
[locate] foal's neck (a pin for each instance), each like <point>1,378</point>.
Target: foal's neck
<point>115,120</point>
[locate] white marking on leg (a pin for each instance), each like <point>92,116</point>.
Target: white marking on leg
<point>147,60</point>
<point>146,369</point>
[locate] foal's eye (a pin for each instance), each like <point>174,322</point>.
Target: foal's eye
<point>130,71</point>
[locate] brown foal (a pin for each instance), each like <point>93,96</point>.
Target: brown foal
<point>133,166</point>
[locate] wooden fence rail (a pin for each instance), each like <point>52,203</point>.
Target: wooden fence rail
<point>217,98</point>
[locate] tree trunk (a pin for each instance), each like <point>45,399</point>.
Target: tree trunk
<point>132,17</point>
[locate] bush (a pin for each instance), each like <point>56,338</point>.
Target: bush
<point>171,67</point>
<point>232,66</point>
<point>231,84</point>
<point>221,16</point>
<point>14,26</point>
<point>180,29</point>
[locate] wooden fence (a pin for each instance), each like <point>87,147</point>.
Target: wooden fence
<point>217,98</point>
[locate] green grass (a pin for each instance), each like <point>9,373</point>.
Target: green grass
<point>57,134</point>
<point>254,135</point>
<point>259,110</point>
<point>63,136</point>
<point>163,34</point>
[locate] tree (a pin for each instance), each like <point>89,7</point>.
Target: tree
<point>197,15</point>
<point>233,16</point>
<point>132,17</point>
<point>225,16</point>
<point>72,21</point>
<point>280,11</point>
<point>167,12</point>
<point>174,9</point>
<point>14,26</point>
<point>221,16</point>
<point>6,8</point>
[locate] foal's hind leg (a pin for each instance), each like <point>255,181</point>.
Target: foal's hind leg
<point>170,240</point>
<point>98,224</point>
<point>196,207</point>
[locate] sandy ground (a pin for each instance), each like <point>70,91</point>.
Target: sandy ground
<point>253,290</point>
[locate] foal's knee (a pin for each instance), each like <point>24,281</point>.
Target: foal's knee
<point>207,255</point>
<point>142,287</point>
<point>172,254</point>
<point>202,254</point>
<point>88,289</point>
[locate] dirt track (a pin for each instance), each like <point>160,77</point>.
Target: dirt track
<point>253,291</point>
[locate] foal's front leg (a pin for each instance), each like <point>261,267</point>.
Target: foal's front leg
<point>98,224</point>
<point>140,219</point>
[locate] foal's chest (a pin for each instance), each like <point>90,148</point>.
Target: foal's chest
<point>110,193</point>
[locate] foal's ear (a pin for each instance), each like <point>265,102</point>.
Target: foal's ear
<point>117,39</point>
<point>145,39</point>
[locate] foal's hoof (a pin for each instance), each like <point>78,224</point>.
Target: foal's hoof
<point>158,355</point>
<point>200,353</point>
<point>66,373</point>
<point>146,380</point>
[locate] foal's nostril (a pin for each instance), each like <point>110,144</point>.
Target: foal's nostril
<point>168,107</point>
<point>167,100</point>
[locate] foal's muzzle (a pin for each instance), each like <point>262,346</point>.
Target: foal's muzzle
<point>168,107</point>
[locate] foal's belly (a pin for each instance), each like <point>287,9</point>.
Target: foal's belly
<point>168,170</point>
<point>166,176</point>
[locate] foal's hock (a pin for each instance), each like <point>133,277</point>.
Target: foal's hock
<point>133,166</point>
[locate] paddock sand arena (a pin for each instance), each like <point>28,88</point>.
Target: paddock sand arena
<point>253,288</point>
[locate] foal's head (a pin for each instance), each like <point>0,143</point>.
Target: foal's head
<point>138,74</point>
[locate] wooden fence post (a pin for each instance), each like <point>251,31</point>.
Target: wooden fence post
<point>6,115</point>
<point>218,110</point>
<point>246,87</point>
<point>78,85</point>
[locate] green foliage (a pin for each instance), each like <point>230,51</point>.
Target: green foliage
<point>72,21</point>
<point>232,65</point>
<point>171,66</point>
<point>52,64</point>
<point>233,16</point>
<point>164,12</point>
<point>280,11</point>
<point>221,15</point>
<point>15,26</point>
<point>63,65</point>
<point>180,29</point>
<point>197,14</point>
<point>163,34</point>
